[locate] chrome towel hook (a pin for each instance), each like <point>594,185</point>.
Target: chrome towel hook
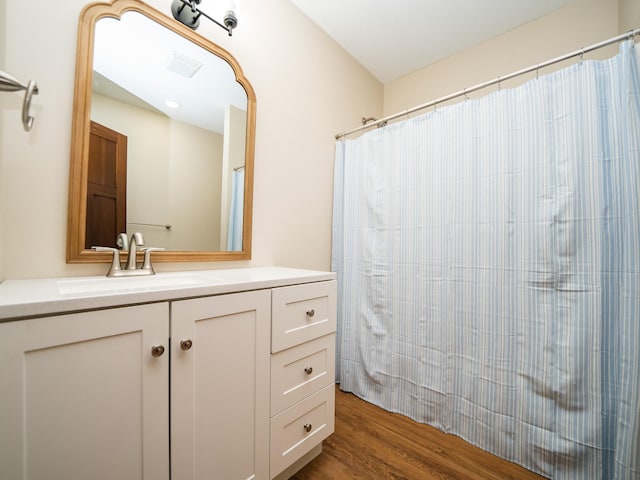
<point>8,83</point>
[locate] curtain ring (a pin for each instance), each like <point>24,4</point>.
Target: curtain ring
<point>466,97</point>
<point>581,56</point>
<point>499,84</point>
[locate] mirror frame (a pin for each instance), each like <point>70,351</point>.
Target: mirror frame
<point>76,226</point>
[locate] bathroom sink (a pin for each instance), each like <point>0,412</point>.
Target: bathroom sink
<point>115,285</point>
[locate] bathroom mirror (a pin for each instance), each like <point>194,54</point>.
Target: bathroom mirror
<point>162,140</point>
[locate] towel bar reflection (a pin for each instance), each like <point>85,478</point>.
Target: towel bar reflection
<point>9,83</point>
<point>167,226</point>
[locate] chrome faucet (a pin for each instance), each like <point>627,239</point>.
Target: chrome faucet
<point>131,268</point>
<point>135,242</point>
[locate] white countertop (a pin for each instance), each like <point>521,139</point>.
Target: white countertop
<point>28,298</point>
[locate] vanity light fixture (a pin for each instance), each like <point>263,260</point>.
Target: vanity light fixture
<point>187,12</point>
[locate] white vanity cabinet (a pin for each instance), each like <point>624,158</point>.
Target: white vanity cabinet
<point>231,379</point>
<point>82,396</point>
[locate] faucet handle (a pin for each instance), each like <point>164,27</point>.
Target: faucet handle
<point>122,241</point>
<point>146,263</point>
<point>115,262</point>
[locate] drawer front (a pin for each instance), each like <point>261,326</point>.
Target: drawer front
<point>300,371</point>
<point>300,428</point>
<point>301,313</point>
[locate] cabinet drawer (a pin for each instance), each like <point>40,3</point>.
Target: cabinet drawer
<point>301,427</point>
<point>300,371</point>
<point>301,313</point>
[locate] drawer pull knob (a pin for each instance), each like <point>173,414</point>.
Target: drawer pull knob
<point>157,350</point>
<point>308,370</point>
<point>311,313</point>
<point>307,427</point>
<point>186,344</point>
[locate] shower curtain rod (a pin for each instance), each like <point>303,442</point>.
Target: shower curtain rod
<point>626,36</point>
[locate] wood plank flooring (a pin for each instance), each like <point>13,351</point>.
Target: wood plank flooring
<point>372,444</point>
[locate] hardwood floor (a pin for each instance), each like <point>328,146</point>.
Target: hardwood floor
<point>372,444</point>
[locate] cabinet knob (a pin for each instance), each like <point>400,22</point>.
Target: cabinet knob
<point>308,370</point>
<point>307,427</point>
<point>311,313</point>
<point>157,350</point>
<point>186,344</point>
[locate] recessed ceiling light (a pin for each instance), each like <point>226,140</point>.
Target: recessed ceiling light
<point>172,104</point>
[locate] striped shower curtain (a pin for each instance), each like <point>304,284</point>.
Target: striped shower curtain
<point>488,264</point>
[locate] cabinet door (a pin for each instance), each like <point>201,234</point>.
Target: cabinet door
<point>220,387</point>
<point>83,397</point>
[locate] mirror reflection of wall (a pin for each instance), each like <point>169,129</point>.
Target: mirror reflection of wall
<point>231,207</point>
<point>173,176</point>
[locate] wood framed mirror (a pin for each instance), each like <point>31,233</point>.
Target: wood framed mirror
<point>183,177</point>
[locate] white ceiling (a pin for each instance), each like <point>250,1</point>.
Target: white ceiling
<point>394,38</point>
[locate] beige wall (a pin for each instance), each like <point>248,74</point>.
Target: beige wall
<point>3,109</point>
<point>629,15</point>
<point>307,89</point>
<point>579,24</point>
<point>195,182</point>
